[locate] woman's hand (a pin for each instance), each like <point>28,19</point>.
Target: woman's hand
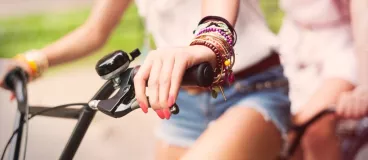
<point>164,69</point>
<point>6,65</point>
<point>353,104</point>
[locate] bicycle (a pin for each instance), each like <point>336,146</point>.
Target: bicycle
<point>114,68</point>
<point>355,133</point>
<point>119,77</point>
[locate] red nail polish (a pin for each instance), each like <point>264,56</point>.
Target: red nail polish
<point>143,107</point>
<point>160,114</point>
<point>167,113</point>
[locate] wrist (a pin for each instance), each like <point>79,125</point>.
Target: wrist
<point>203,54</point>
<point>37,62</point>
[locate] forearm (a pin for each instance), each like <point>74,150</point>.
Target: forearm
<point>324,97</point>
<point>359,22</point>
<point>90,36</point>
<point>227,9</point>
<point>75,45</point>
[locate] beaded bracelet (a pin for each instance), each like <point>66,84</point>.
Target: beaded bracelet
<point>222,33</point>
<point>216,20</point>
<point>218,27</point>
<point>217,34</point>
<point>229,51</point>
<point>222,70</point>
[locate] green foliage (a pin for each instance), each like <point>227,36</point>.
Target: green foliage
<point>272,13</point>
<point>19,34</point>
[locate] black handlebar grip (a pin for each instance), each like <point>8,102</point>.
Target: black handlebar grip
<point>199,75</point>
<point>14,76</point>
<point>16,80</point>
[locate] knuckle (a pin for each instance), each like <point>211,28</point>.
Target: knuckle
<point>181,57</point>
<point>138,77</point>
<point>152,53</point>
<point>155,54</point>
<point>152,83</point>
<point>165,80</point>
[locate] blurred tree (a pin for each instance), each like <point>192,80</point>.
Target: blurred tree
<point>272,13</point>
<point>19,34</point>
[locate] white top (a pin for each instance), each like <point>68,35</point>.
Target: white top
<point>316,12</point>
<point>172,22</point>
<point>311,56</point>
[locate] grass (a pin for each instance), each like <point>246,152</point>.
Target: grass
<point>19,34</point>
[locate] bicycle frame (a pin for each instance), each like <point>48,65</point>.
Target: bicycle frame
<point>118,75</point>
<point>15,148</point>
<point>20,90</point>
<point>84,121</point>
<point>85,118</point>
<point>87,114</point>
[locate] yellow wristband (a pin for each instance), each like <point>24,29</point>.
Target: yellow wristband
<point>36,62</point>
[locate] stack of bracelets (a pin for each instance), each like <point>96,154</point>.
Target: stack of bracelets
<point>217,34</point>
<point>36,61</point>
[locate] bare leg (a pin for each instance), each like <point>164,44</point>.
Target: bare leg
<point>298,155</point>
<point>165,151</point>
<point>320,141</point>
<point>241,133</point>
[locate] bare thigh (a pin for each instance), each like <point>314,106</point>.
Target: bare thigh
<point>241,133</point>
<point>165,151</point>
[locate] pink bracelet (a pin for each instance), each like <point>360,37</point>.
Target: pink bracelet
<point>224,34</point>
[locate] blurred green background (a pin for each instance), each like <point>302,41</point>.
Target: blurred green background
<point>21,33</point>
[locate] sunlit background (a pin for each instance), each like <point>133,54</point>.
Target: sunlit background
<point>32,24</point>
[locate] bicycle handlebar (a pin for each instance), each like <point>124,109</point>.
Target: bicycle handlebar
<point>114,67</point>
<point>16,81</point>
<point>123,102</point>
<point>200,75</point>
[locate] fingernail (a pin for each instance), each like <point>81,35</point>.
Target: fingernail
<point>143,107</point>
<point>171,101</point>
<point>167,113</point>
<point>12,97</point>
<point>160,114</point>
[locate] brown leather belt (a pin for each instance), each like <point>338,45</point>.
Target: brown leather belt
<point>272,60</point>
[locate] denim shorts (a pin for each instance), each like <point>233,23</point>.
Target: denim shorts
<point>198,111</point>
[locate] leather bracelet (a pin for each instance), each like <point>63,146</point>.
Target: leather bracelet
<point>229,52</point>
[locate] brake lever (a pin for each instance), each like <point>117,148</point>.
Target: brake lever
<point>133,105</point>
<point>124,101</point>
<point>114,68</point>
<point>121,99</point>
